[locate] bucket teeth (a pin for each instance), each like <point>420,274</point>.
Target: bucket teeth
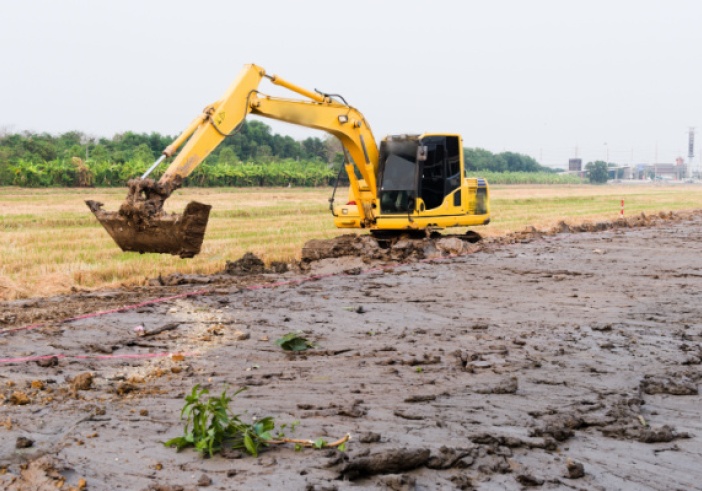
<point>180,235</point>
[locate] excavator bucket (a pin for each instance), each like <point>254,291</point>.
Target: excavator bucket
<point>142,226</point>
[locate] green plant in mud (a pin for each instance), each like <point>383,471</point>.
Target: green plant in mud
<point>293,341</point>
<point>211,426</point>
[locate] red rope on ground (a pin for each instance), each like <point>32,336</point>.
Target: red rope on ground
<point>61,356</point>
<point>175,297</point>
<point>206,290</point>
<point>105,312</point>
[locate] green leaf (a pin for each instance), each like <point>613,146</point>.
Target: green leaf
<point>265,424</point>
<point>250,445</point>
<point>179,442</point>
<point>319,443</point>
<point>342,447</point>
<point>294,342</point>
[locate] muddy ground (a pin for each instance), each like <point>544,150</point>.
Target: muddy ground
<point>554,361</point>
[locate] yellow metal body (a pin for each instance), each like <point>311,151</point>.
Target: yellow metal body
<point>318,111</point>
<point>472,208</point>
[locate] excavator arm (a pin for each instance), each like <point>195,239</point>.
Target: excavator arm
<point>142,225</point>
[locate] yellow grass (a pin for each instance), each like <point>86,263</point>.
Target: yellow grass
<point>50,242</point>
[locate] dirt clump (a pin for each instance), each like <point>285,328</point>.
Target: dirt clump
<point>506,386</point>
<point>403,247</point>
<point>23,442</point>
<point>389,461</point>
<point>49,362</point>
<point>83,381</point>
<point>677,386</point>
<point>177,279</point>
<point>575,470</point>
<point>19,398</point>
<point>248,264</point>
<point>528,480</point>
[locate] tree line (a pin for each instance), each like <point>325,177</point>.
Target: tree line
<point>254,156</point>
<point>479,159</point>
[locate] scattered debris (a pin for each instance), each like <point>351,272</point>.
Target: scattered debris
<point>528,480</point>
<point>204,480</point>
<point>576,470</point>
<point>24,442</point>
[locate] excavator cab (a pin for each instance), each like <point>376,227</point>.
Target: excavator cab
<point>422,184</point>
<point>411,167</point>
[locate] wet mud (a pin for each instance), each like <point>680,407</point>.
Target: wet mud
<point>559,359</point>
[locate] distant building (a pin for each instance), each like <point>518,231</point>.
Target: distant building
<point>663,171</point>
<point>621,172</point>
<point>575,165</point>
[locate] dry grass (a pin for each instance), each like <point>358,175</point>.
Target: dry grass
<point>51,242</point>
<point>515,207</point>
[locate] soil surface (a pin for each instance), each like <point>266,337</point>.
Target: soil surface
<point>563,359</point>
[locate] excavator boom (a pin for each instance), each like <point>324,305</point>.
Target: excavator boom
<point>142,225</point>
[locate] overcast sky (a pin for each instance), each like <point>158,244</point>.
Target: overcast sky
<point>544,77</point>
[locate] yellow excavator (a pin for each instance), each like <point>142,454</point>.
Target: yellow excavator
<point>411,183</point>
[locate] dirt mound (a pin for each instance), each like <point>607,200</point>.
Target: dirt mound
<point>406,248</point>
<point>247,264</point>
<point>403,248</point>
<point>642,220</point>
<point>251,264</point>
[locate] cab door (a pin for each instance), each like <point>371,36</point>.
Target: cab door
<point>441,173</point>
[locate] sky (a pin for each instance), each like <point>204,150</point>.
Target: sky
<point>555,79</point>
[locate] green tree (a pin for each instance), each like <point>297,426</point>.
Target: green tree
<point>597,172</point>
<point>314,148</point>
<point>143,153</point>
<point>480,159</point>
<point>99,153</point>
<point>227,156</point>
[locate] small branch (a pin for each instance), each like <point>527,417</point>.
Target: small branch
<point>310,443</point>
<point>159,330</point>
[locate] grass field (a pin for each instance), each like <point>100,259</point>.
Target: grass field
<point>52,243</point>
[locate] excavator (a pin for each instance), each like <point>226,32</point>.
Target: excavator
<point>410,183</point>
